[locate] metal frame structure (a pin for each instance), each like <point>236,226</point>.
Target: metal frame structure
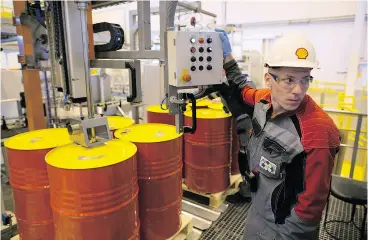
<point>121,64</point>
<point>143,30</point>
<point>356,141</point>
<point>144,14</point>
<point>25,27</point>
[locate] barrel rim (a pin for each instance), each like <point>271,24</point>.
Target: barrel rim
<point>216,106</point>
<point>51,138</point>
<point>121,122</point>
<point>157,108</point>
<point>213,114</point>
<point>203,102</point>
<point>138,138</point>
<point>76,157</point>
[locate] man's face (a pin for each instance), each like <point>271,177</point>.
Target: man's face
<point>288,86</point>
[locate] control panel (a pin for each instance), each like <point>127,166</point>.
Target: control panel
<point>195,58</point>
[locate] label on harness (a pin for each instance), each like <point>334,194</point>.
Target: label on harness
<point>267,165</point>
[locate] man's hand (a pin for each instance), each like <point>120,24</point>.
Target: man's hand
<point>226,46</point>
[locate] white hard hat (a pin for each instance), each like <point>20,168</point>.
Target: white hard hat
<point>292,50</point>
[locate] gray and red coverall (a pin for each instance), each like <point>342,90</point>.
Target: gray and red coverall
<point>292,157</point>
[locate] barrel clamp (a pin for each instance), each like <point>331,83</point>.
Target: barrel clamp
<point>80,131</point>
<point>180,103</point>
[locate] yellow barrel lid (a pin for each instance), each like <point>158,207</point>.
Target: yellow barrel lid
<point>157,108</point>
<point>39,139</point>
<point>206,113</point>
<point>148,133</point>
<point>203,102</point>
<point>73,156</point>
<point>116,122</point>
<point>216,106</point>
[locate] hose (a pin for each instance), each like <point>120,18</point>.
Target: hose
<point>162,102</point>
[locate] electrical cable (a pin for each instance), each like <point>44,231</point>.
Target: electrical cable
<point>162,102</point>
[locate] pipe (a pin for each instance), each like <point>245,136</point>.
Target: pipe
<point>48,102</point>
<point>297,21</point>
<point>171,8</point>
<point>196,9</point>
<point>12,39</point>
<point>52,55</point>
<point>82,7</point>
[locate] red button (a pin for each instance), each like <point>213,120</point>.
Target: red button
<point>201,40</point>
<point>186,78</point>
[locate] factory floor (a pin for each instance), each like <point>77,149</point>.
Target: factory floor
<point>230,225</point>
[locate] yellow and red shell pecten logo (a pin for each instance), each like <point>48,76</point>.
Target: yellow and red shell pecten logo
<point>301,53</point>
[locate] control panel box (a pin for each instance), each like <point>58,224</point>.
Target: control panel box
<point>194,58</point>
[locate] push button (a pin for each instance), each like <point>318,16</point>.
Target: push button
<point>186,78</point>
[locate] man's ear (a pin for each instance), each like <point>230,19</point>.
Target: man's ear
<point>267,80</point>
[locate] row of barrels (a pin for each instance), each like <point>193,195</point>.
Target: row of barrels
<point>127,188</point>
<point>211,152</point>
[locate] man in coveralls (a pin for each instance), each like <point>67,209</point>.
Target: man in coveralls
<point>292,148</point>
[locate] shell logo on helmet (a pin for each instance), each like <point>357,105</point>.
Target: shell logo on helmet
<point>301,53</point>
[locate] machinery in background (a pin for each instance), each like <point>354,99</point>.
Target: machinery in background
<point>188,60</point>
<point>252,65</point>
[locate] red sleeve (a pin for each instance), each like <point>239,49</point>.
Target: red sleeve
<point>251,96</point>
<point>317,174</point>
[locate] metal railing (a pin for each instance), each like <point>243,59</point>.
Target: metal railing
<point>357,136</point>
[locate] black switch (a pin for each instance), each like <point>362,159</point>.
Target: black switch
<point>209,49</point>
<point>209,67</point>
<point>209,40</point>
<point>201,49</point>
<point>193,68</point>
<point>200,68</point>
<point>200,59</point>
<point>209,59</point>
<point>193,59</point>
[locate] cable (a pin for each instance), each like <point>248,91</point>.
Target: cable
<point>162,102</point>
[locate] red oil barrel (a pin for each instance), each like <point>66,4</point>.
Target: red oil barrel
<point>29,180</point>
<point>155,114</point>
<point>207,151</point>
<point>117,122</point>
<point>94,191</point>
<point>159,177</point>
<point>235,146</point>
